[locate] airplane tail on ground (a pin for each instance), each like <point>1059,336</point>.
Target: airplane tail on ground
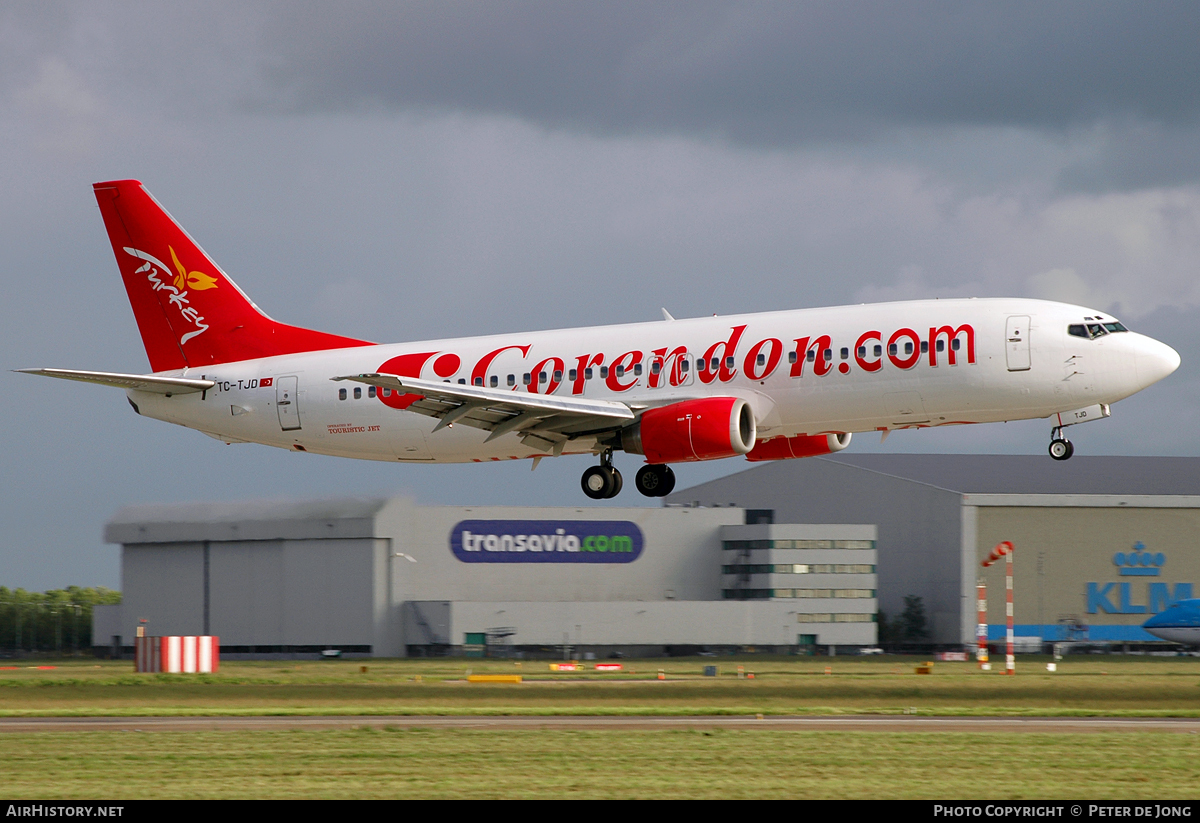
<point>189,312</point>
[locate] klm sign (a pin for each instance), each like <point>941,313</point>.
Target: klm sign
<point>1123,598</point>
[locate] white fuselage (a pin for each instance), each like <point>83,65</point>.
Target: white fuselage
<point>983,360</point>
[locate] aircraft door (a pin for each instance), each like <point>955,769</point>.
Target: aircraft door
<point>286,403</point>
<point>1016,336</point>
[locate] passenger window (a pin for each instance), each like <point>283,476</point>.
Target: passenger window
<point>879,351</point>
<point>587,374</point>
<point>358,392</point>
<point>683,366</point>
<point>941,345</point>
<point>845,353</point>
<point>341,394</point>
<point>812,356</point>
<point>558,375</point>
<point>637,369</point>
<point>893,349</point>
<point>862,351</point>
<point>370,391</point>
<point>761,360</point>
<point>525,378</point>
<point>387,392</point>
<point>604,372</point>
<point>572,374</point>
<point>620,371</point>
<point>729,362</point>
<point>792,357</point>
<point>478,381</point>
<point>827,355</point>
<point>512,380</point>
<point>655,367</point>
<point>495,381</point>
<point>541,377</point>
<point>954,344</point>
<point>908,347</point>
<point>462,381</point>
<point>924,346</point>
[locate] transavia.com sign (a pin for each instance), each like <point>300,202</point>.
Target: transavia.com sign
<point>546,541</point>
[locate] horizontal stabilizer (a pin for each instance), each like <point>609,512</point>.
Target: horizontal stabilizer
<point>138,382</point>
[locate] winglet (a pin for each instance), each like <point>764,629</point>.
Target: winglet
<point>667,315</point>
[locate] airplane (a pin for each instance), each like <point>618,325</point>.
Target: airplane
<point>768,386</point>
<point>1179,623</point>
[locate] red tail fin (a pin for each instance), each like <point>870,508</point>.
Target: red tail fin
<point>190,313</point>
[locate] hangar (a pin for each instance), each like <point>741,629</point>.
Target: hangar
<point>1101,543</point>
<point>786,555</point>
<point>387,577</point>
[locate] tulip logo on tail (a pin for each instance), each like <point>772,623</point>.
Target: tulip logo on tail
<point>546,541</point>
<point>195,280</point>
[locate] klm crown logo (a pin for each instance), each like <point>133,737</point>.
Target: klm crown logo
<point>1139,562</point>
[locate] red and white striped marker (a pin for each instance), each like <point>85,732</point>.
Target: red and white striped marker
<point>176,654</point>
<point>1005,550</point>
<point>981,628</point>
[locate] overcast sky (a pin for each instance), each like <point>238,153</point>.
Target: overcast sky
<point>397,171</point>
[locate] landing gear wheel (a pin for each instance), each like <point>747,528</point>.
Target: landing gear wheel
<point>655,480</point>
<point>1061,449</point>
<point>618,483</point>
<point>668,484</point>
<point>598,482</point>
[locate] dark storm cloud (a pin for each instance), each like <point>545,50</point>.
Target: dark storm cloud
<point>755,72</point>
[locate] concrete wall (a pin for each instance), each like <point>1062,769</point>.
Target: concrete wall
<point>726,623</point>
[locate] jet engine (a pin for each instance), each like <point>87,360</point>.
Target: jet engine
<point>705,429</point>
<point>804,445</point>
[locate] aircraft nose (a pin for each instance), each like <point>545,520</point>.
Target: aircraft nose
<point>1154,360</point>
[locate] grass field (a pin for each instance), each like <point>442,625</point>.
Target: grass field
<point>557,763</point>
<point>458,763</point>
<point>1108,685</point>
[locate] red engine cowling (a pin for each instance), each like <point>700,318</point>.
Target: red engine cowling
<point>705,429</point>
<point>785,448</point>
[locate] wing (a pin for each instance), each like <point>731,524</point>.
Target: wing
<point>545,423</point>
<point>140,382</point>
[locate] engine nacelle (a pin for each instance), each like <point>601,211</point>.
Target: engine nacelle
<point>705,429</point>
<point>805,445</point>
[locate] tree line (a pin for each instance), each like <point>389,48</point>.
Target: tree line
<point>58,620</point>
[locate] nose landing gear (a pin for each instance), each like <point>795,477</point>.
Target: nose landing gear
<point>655,480</point>
<point>603,481</point>
<point>1060,447</point>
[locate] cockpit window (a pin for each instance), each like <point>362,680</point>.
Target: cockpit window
<point>1091,331</point>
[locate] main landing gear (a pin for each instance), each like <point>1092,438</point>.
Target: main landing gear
<point>1060,447</point>
<point>603,481</point>
<point>655,481</point>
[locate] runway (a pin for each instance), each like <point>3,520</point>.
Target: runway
<point>862,723</point>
